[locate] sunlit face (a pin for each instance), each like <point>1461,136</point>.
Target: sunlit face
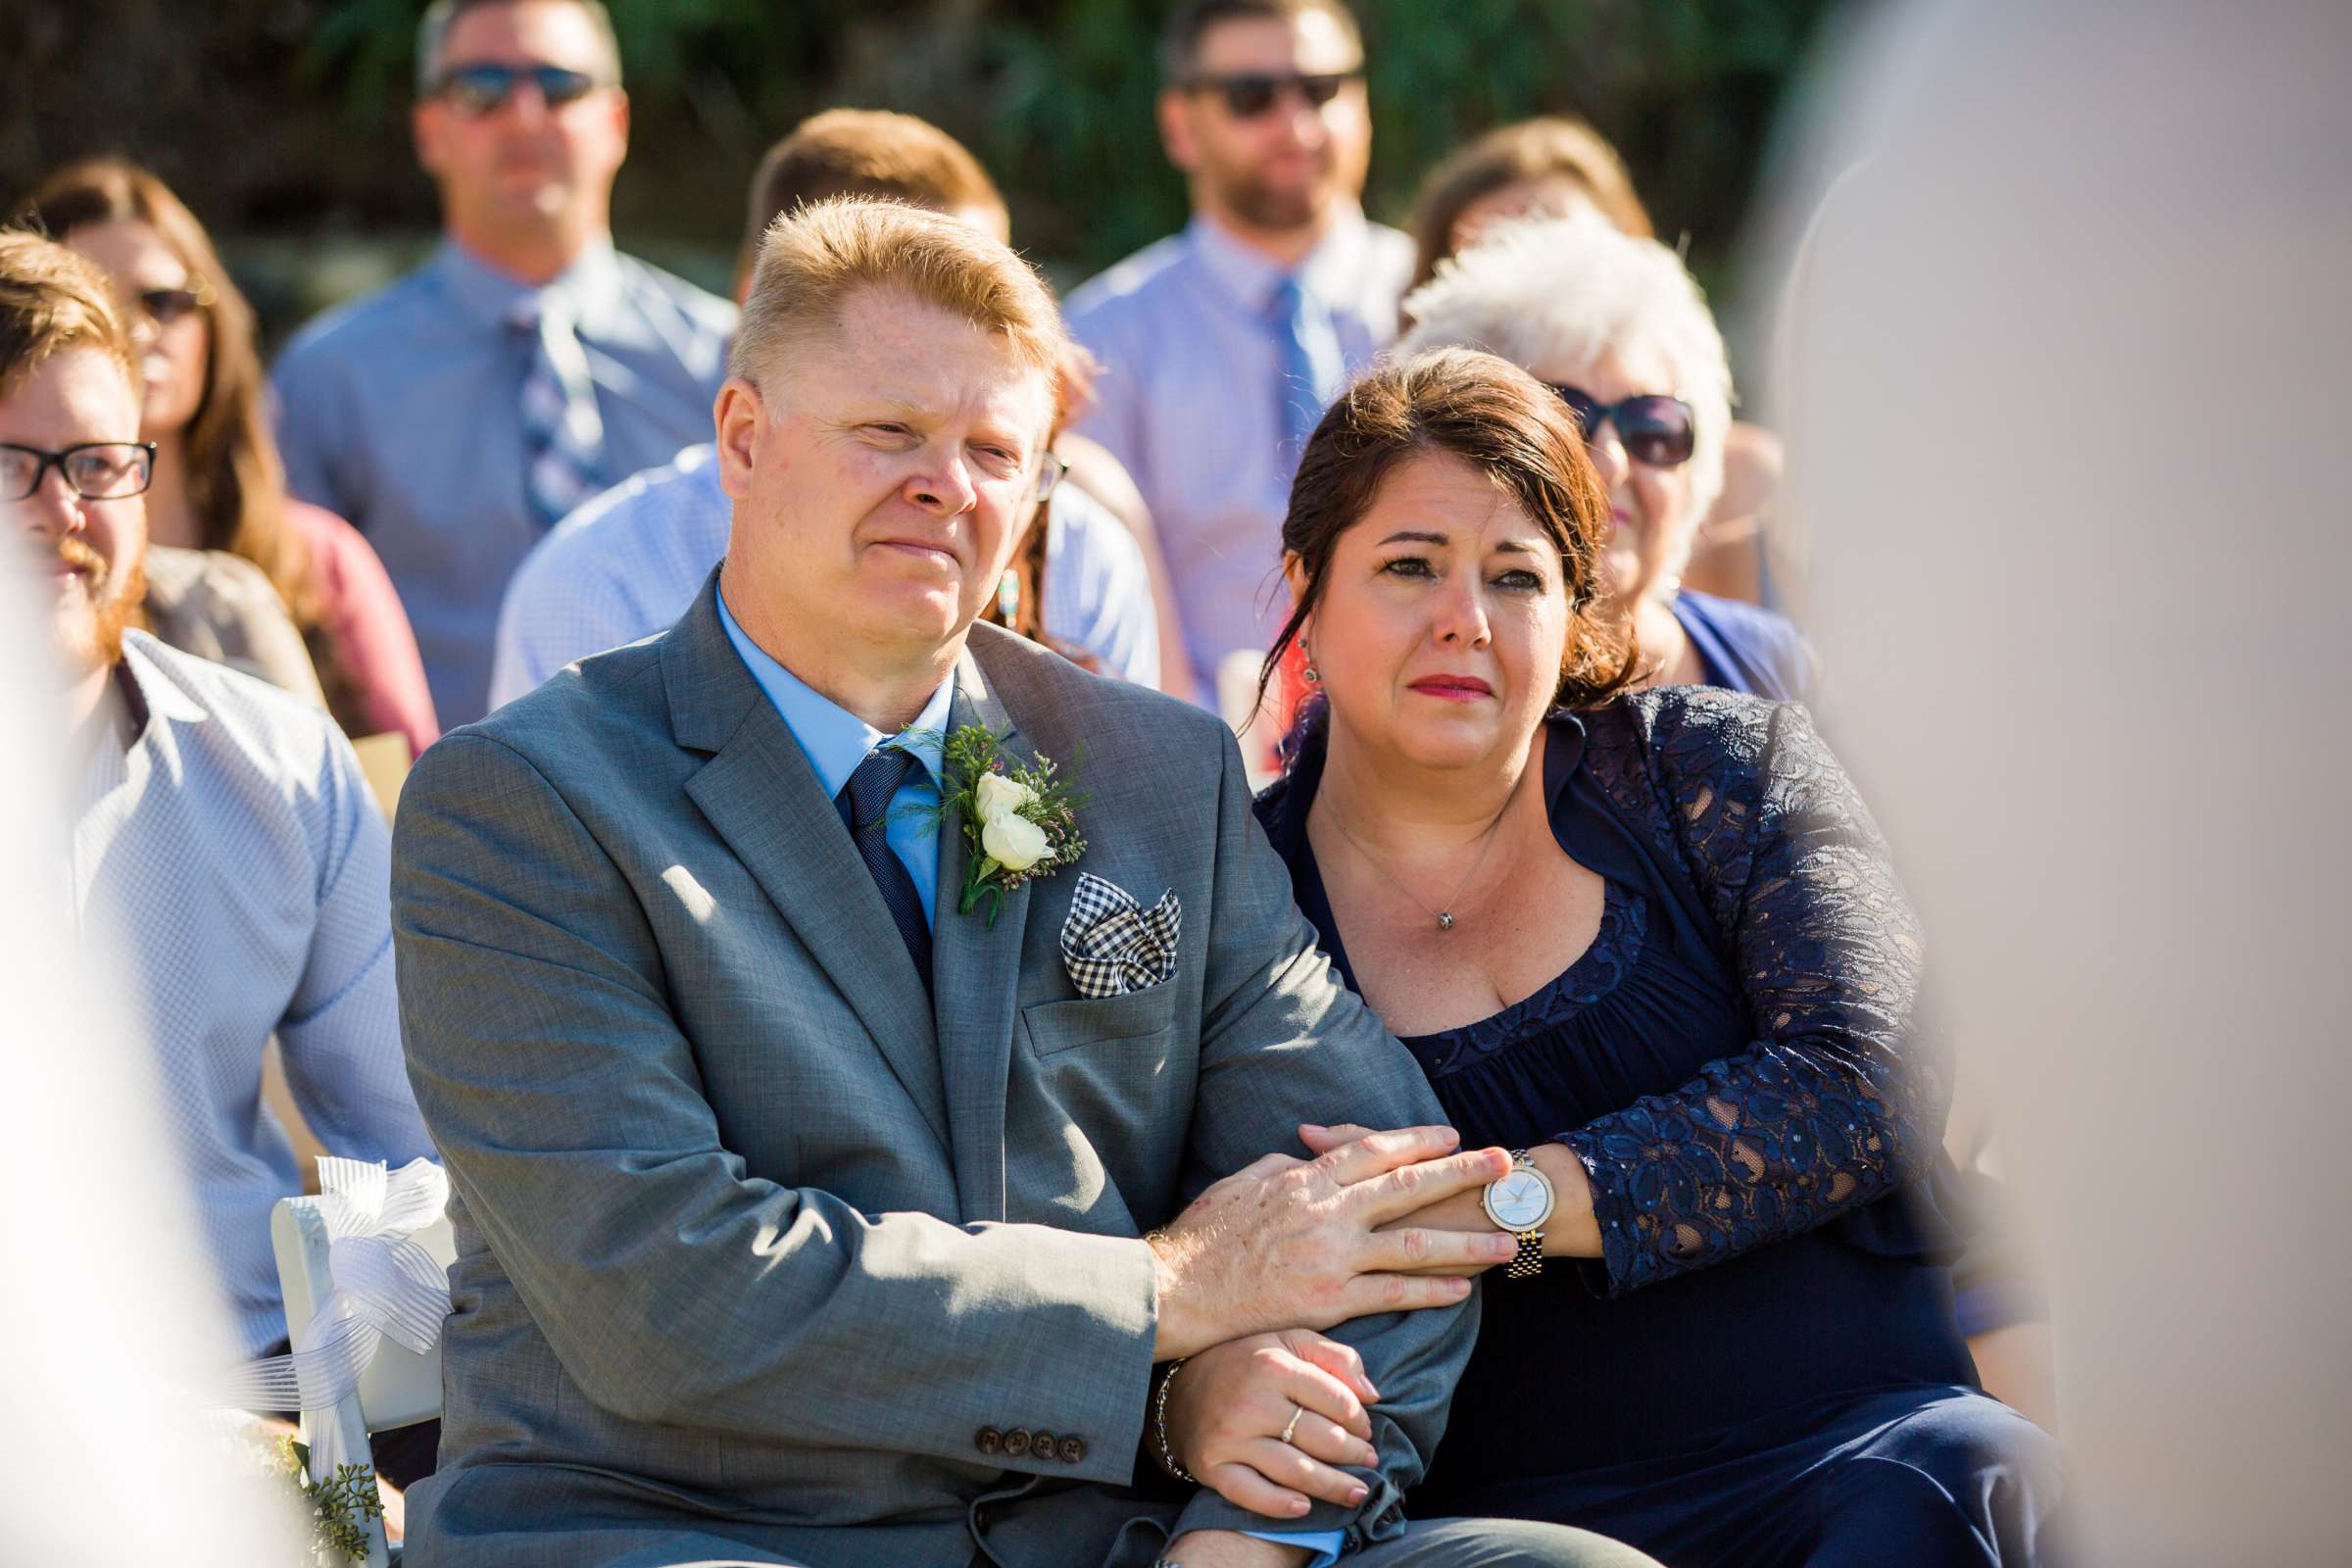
<point>881,480</point>
<point>1650,507</point>
<point>1285,168</point>
<point>524,166</point>
<point>85,557</point>
<point>174,343</point>
<point>1443,619</point>
<point>1548,196</point>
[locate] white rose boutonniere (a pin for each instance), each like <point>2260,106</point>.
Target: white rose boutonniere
<point>1018,821</point>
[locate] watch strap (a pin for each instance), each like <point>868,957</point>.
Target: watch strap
<point>1528,1261</point>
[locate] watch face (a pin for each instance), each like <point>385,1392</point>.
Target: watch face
<point>1520,1201</point>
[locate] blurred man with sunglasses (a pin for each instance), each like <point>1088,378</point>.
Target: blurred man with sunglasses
<point>226,847</point>
<point>456,417</point>
<point>1222,344</point>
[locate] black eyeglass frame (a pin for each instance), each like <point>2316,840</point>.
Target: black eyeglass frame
<point>494,83</point>
<point>1636,434</point>
<point>58,461</point>
<point>1250,94</point>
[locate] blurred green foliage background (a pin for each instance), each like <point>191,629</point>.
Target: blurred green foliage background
<point>284,121</point>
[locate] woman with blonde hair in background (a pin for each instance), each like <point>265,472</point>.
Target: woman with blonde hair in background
<point>218,483</point>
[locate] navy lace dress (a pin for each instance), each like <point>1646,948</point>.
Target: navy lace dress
<point>1763,1367</point>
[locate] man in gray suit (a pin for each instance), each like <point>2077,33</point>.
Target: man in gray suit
<point>801,1218</point>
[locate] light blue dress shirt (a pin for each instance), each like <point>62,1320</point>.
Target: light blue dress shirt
<point>1192,399</point>
<point>629,563</point>
<point>403,413</point>
<point>835,741</point>
<point>226,847</point>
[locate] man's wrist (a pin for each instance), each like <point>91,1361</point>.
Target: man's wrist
<point>1230,1549</point>
<point>1174,1336</point>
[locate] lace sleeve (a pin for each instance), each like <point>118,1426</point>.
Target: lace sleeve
<point>1835,1103</point>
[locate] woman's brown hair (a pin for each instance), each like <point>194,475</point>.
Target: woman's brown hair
<point>235,483</point>
<point>1509,426</point>
<point>1556,146</point>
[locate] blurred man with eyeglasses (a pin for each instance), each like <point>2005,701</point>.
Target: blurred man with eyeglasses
<point>1222,344</point>
<point>456,417</point>
<point>225,846</point>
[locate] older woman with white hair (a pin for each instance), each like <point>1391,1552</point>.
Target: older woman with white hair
<point>1615,325</point>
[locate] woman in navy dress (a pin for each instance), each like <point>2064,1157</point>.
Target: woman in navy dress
<point>1652,938</point>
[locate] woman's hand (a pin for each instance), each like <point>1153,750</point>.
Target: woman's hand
<point>1229,1406</point>
<point>1571,1231</point>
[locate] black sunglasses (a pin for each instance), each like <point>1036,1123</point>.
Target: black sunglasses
<point>95,470</point>
<point>484,89</point>
<point>1660,431</point>
<point>164,306</point>
<point>1251,94</point>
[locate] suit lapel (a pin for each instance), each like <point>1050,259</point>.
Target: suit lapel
<point>761,797</point>
<point>976,977</point>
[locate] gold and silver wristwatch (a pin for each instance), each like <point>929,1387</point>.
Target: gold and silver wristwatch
<point>1520,1202</point>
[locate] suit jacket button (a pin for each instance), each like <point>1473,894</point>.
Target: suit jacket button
<point>1041,1444</point>
<point>987,1439</point>
<point>1073,1450</point>
<point>1017,1441</point>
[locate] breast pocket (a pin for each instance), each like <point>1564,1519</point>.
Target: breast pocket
<point>1055,1027</point>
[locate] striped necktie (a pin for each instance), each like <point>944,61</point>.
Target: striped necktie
<point>865,806</point>
<point>1307,344</point>
<point>562,434</point>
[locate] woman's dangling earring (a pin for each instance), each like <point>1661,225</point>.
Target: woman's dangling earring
<point>1314,676</point>
<point>1009,597</point>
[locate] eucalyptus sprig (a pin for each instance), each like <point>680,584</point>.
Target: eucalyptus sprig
<point>1019,820</point>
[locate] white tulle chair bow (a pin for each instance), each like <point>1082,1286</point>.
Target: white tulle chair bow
<point>384,1283</point>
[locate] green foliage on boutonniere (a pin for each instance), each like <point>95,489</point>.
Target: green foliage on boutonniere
<point>1019,820</point>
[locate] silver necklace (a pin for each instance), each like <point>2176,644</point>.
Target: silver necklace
<point>1444,917</point>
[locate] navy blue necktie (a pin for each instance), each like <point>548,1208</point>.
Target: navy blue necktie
<point>864,806</point>
<point>1308,345</point>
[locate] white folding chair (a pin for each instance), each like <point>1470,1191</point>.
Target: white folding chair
<point>400,1387</point>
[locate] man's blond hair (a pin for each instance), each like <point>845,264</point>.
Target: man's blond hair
<point>53,298</point>
<point>813,260</point>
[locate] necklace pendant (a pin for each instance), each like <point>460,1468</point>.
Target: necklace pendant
<point>1445,921</point>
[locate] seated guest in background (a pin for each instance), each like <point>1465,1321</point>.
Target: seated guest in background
<point>801,1218</point>
<point>1652,942</point>
<point>457,416</point>
<point>1618,328</point>
<point>224,845</point>
<point>218,482</point>
<point>1551,167</point>
<point>223,608</point>
<point>1554,168</point>
<point>1220,345</point>
<point>629,563</point>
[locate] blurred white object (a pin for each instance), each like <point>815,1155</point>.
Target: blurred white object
<point>2069,363</point>
<point>103,1459</point>
<point>343,1261</point>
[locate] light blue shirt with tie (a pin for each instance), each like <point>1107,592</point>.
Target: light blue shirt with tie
<point>403,414</point>
<point>1201,394</point>
<point>835,741</point>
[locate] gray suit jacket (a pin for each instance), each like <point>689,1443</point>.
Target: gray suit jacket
<point>761,1254</point>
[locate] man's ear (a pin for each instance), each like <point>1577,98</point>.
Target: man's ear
<point>741,417</point>
<point>1174,112</point>
<point>426,122</point>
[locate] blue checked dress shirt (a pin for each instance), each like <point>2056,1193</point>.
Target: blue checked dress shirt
<point>226,848</point>
<point>1196,399</point>
<point>629,564</point>
<point>405,413</point>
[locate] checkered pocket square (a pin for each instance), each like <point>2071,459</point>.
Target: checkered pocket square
<point>1112,945</point>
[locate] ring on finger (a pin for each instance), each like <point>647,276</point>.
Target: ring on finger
<point>1288,1431</point>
